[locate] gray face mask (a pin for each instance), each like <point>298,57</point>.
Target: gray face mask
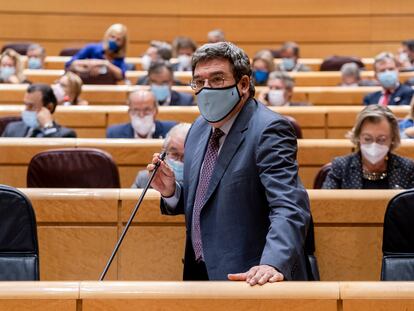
<point>216,104</point>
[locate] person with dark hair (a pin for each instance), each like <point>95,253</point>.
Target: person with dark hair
<point>406,55</point>
<point>161,80</point>
<point>183,48</point>
<point>290,54</point>
<point>158,50</point>
<point>247,212</point>
<point>37,120</point>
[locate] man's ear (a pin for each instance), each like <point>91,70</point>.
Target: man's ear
<point>244,84</point>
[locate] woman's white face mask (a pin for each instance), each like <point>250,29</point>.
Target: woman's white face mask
<point>374,152</point>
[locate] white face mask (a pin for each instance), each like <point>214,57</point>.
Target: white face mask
<point>142,125</point>
<point>276,97</point>
<point>146,62</point>
<point>374,152</point>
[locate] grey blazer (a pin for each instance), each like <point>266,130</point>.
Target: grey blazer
<point>20,129</point>
<point>256,209</point>
<point>346,172</point>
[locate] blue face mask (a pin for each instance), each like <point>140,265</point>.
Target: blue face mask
<point>6,72</point>
<point>113,46</point>
<point>161,92</point>
<point>216,104</point>
<point>30,118</point>
<point>388,79</point>
<point>260,76</point>
<point>178,168</point>
<point>288,63</point>
<point>34,63</point>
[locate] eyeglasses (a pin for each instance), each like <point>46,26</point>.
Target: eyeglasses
<point>214,82</point>
<point>368,139</point>
<point>176,156</point>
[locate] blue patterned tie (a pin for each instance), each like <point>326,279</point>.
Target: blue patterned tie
<point>209,163</point>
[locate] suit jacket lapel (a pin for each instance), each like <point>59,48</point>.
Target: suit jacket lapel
<point>233,140</point>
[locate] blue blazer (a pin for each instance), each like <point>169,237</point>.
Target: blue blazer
<point>256,210</point>
<point>181,99</point>
<point>401,96</point>
<point>125,130</point>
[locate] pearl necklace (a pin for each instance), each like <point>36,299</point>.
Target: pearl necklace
<point>373,175</point>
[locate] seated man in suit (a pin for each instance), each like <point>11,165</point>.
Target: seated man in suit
<point>161,80</point>
<point>393,93</point>
<point>142,111</point>
<point>290,54</point>
<point>174,147</point>
<point>40,102</point>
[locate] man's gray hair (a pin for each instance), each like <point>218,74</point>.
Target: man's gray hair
<point>238,59</point>
<point>351,69</point>
<point>181,129</point>
<point>164,49</point>
<point>287,80</point>
<point>217,33</point>
<point>382,57</point>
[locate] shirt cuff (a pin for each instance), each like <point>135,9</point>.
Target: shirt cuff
<point>172,201</point>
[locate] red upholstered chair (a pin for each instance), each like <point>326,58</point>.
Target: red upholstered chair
<point>6,120</point>
<point>19,47</point>
<point>321,176</point>
<point>296,126</point>
<point>334,63</point>
<point>73,168</point>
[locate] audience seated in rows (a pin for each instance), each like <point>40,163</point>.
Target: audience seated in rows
<point>142,111</point>
<point>174,147</point>
<point>36,55</point>
<point>407,124</point>
<point>158,50</point>
<point>161,79</point>
<point>290,54</point>
<point>67,90</point>
<point>37,118</point>
<point>374,165</point>
<point>183,50</point>
<point>11,68</point>
<point>393,92</point>
<point>103,57</point>
<point>215,35</point>
<point>351,76</point>
<point>262,65</point>
<point>279,90</point>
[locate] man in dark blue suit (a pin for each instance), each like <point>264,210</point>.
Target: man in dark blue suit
<point>161,80</point>
<point>393,93</point>
<point>246,210</point>
<point>142,111</point>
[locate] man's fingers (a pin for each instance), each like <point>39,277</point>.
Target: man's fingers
<point>276,278</point>
<point>265,278</point>
<point>251,273</point>
<point>237,276</point>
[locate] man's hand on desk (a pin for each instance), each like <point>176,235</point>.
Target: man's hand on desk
<point>258,275</point>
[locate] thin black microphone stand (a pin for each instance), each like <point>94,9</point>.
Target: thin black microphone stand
<point>121,238</point>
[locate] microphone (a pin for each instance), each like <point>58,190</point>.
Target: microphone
<point>124,232</point>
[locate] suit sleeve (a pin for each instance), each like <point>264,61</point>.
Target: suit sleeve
<point>288,201</point>
<point>366,100</point>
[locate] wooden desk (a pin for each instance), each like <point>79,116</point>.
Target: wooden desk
<point>132,155</point>
<point>315,121</point>
<point>78,228</point>
<point>117,94</point>
<point>312,78</point>
<point>58,62</point>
